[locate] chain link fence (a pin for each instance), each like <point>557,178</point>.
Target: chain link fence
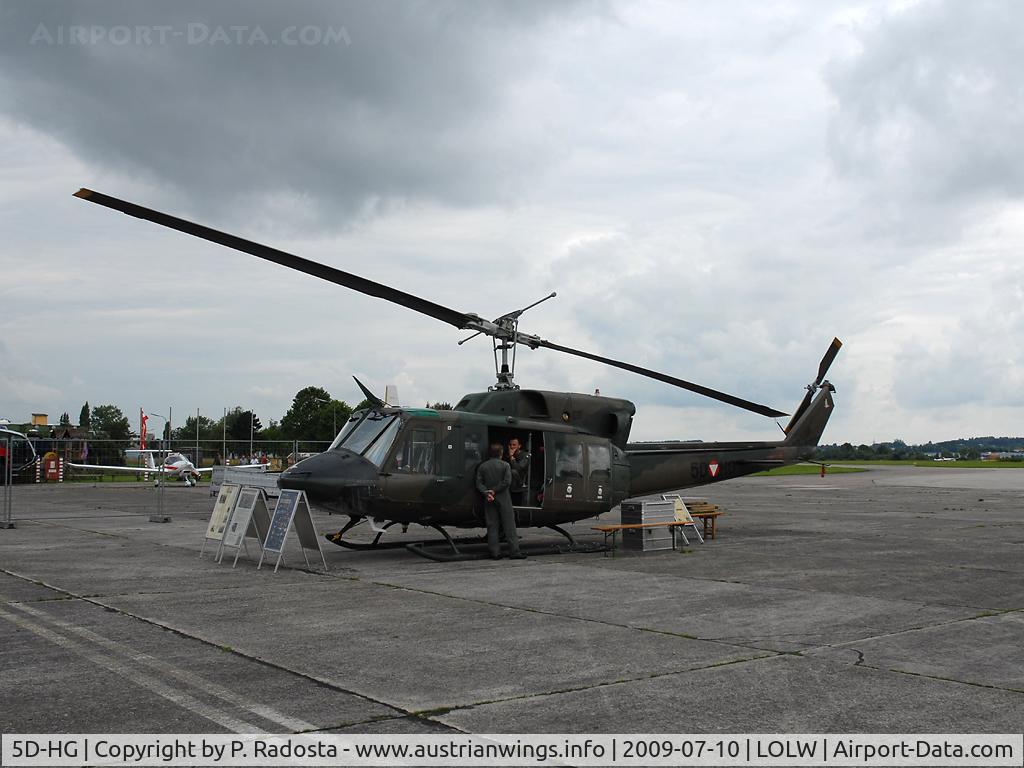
<point>278,454</point>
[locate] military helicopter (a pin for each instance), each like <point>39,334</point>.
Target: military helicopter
<point>394,465</point>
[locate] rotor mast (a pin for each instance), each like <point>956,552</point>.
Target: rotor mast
<point>505,336</point>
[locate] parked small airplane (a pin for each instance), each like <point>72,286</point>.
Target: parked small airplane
<point>174,465</point>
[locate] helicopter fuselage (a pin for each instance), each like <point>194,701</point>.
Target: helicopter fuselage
<point>409,465</point>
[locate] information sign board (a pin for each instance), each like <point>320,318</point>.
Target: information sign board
<point>250,519</point>
<point>292,508</point>
<point>221,513</point>
<point>281,521</point>
<point>234,534</point>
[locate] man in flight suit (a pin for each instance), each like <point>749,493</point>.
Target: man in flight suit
<point>519,461</point>
<point>493,479</point>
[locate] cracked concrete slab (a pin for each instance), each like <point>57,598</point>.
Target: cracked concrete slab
<point>420,650</point>
<point>776,695</point>
<point>985,651</point>
<point>744,614</point>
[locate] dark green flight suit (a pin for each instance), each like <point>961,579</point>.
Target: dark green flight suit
<point>520,471</point>
<point>495,475</point>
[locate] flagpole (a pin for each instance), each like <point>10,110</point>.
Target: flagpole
<point>142,429</point>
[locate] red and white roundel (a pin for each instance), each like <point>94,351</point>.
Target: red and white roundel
<point>713,468</point>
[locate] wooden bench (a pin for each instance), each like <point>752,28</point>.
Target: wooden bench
<point>703,509</point>
<point>613,530</point>
<point>708,518</point>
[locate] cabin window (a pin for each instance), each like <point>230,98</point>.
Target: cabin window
<point>568,460</point>
<point>600,459</point>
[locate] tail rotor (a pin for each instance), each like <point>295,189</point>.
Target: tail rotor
<point>814,386</point>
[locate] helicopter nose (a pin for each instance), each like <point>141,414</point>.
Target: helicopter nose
<point>326,476</point>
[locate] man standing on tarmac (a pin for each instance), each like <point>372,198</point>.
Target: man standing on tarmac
<point>519,461</point>
<point>493,479</point>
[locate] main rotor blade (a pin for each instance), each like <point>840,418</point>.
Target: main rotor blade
<point>332,275</point>
<point>826,361</point>
<point>714,394</point>
<point>804,405</point>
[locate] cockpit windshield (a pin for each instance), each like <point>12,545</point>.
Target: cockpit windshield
<point>354,419</point>
<point>378,451</point>
<point>370,434</point>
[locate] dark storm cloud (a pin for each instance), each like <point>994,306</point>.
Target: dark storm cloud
<point>931,109</point>
<point>333,107</point>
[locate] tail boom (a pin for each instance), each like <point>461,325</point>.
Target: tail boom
<point>669,466</point>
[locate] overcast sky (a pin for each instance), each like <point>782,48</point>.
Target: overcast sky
<point>715,190</point>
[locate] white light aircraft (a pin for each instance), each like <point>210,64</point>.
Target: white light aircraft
<point>174,465</point>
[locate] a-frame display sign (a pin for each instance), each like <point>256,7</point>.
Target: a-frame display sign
<point>221,513</point>
<point>249,519</point>
<point>292,510</point>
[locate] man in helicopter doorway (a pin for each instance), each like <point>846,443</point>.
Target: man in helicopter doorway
<point>493,479</point>
<point>519,461</point>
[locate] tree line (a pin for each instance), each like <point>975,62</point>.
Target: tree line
<point>963,448</point>
<point>314,416</point>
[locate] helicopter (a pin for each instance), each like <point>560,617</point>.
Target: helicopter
<point>399,466</point>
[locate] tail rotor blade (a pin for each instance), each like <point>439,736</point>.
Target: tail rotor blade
<point>823,366</point>
<point>826,361</point>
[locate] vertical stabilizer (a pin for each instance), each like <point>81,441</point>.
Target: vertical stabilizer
<point>806,431</point>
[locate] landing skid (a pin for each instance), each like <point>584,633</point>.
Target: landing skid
<point>338,538</point>
<point>450,547</point>
<point>573,546</point>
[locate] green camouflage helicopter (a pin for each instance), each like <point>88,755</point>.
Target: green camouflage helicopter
<point>393,465</point>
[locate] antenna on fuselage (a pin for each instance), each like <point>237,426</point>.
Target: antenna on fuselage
<point>375,401</point>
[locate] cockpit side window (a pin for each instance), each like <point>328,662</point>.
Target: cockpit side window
<point>416,455</point>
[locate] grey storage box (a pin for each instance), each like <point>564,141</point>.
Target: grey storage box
<point>642,512</point>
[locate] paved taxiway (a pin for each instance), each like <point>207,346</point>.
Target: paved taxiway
<point>888,601</point>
